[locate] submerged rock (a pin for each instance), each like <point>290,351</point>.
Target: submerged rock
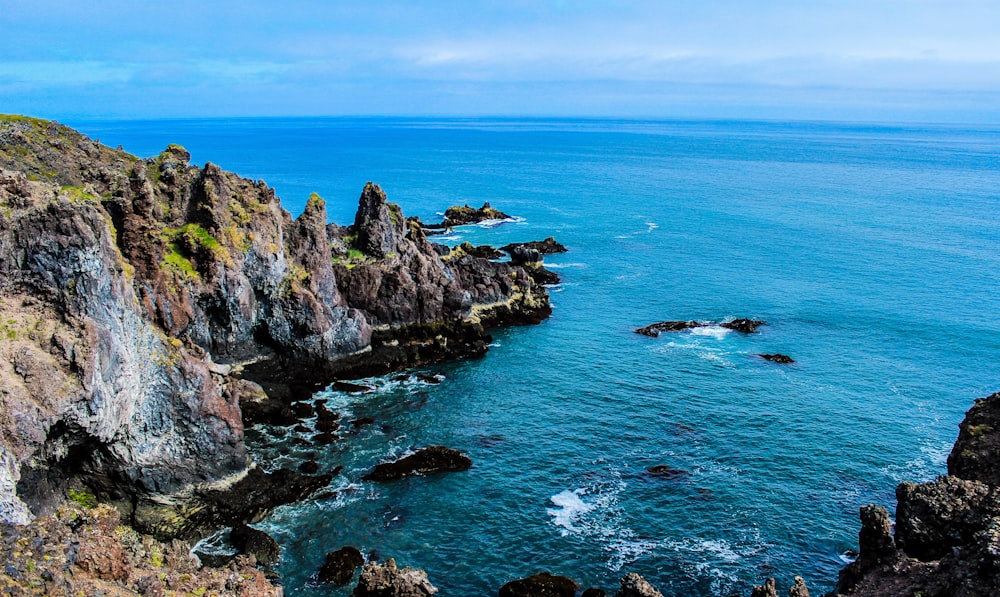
<point>633,585</point>
<point>432,459</point>
<point>388,581</point>
<point>664,471</point>
<point>341,565</point>
<point>784,359</point>
<point>542,584</point>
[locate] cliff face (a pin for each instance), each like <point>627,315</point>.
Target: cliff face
<point>947,532</point>
<point>143,301</point>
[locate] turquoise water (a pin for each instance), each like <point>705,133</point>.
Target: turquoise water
<point>871,251</point>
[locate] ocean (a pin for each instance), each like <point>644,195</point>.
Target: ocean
<point>871,251</point>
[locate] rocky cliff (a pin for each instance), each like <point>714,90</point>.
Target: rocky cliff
<point>946,538</point>
<point>144,304</point>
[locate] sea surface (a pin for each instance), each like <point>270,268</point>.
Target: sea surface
<point>871,251</point>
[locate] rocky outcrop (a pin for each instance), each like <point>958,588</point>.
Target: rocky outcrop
<point>462,215</point>
<point>340,565</point>
<point>783,359</point>
<point>425,461</point>
<point>250,541</point>
<point>664,471</point>
<point>745,326</point>
<point>87,551</point>
<point>947,532</point>
<point>633,585</point>
<point>388,581</point>
<point>542,584</point>
<point>549,246</point>
<point>146,303</point>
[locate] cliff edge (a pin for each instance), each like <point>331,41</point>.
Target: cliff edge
<point>147,304</point>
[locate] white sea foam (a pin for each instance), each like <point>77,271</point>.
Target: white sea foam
<point>565,265</point>
<point>495,223</point>
<point>651,226</point>
<point>712,331</point>
<point>449,237</point>
<point>570,508</point>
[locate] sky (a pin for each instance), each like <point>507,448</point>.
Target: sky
<point>868,60</point>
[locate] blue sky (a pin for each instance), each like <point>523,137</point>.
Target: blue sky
<point>881,60</point>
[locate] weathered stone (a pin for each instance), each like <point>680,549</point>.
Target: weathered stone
<point>974,456</point>
<point>766,590</point>
<point>542,584</point>
<point>259,544</point>
<point>633,585</point>
<point>432,459</point>
<point>340,565</point>
<point>388,581</point>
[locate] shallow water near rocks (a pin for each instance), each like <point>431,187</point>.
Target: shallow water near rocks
<point>873,252</point>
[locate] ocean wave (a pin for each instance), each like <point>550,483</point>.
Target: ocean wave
<point>569,508</point>
<point>564,265</point>
<point>712,331</point>
<point>498,222</point>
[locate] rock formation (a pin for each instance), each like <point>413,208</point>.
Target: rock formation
<point>432,459</point>
<point>388,581</point>
<point>783,359</point>
<point>947,532</point>
<point>548,246</point>
<point>461,215</point>
<point>633,585</point>
<point>340,565</point>
<point>144,304</point>
<point>542,584</point>
<point>745,326</point>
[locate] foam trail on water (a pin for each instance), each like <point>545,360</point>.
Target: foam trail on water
<point>570,507</point>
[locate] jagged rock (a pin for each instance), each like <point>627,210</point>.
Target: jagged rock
<point>542,584</point>
<point>462,215</point>
<point>522,255</point>
<point>548,246</point>
<point>798,589</point>
<point>250,541</point>
<point>974,455</point>
<point>593,592</point>
<point>745,326</point>
<point>633,585</point>
<point>346,386</point>
<point>432,459</point>
<point>340,566</point>
<point>766,590</point>
<point>379,225</point>
<point>934,518</point>
<point>480,252</point>
<point>388,581</point>
<point>777,358</point>
<point>654,329</point>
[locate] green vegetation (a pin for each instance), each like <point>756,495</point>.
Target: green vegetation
<point>353,258</point>
<point>176,260</point>
<point>395,214</point>
<point>315,202</point>
<point>35,122</point>
<point>190,240</point>
<point>77,195</point>
<point>83,498</point>
<point>295,278</point>
<point>978,430</point>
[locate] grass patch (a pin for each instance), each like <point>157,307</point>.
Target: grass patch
<point>83,498</point>
<point>77,195</point>
<point>35,122</point>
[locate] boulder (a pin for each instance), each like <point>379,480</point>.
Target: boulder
<point>462,215</point>
<point>548,246</point>
<point>633,585</point>
<point>388,581</point>
<point>542,584</point>
<point>251,541</point>
<point>340,566</point>
<point>745,326</point>
<point>429,460</point>
<point>654,329</point>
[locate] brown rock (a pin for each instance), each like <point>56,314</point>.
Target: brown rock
<point>388,581</point>
<point>542,584</point>
<point>633,585</point>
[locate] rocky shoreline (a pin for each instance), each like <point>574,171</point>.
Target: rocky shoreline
<point>151,309</point>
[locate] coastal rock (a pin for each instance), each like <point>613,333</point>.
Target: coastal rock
<point>542,584</point>
<point>480,252</point>
<point>549,246</point>
<point>655,329</point>
<point>777,358</point>
<point>974,455</point>
<point>462,215</point>
<point>250,541</point>
<point>388,581</point>
<point>593,592</point>
<point>947,532</point>
<point>340,565</point>
<point>429,460</point>
<point>745,326</point>
<point>633,585</point>
<point>798,589</point>
<point>766,590</point>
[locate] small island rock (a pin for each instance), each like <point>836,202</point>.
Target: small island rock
<point>259,544</point>
<point>783,359</point>
<point>432,459</point>
<point>633,585</point>
<point>548,246</point>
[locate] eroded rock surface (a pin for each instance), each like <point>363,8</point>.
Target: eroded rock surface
<point>387,580</point>
<point>433,459</point>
